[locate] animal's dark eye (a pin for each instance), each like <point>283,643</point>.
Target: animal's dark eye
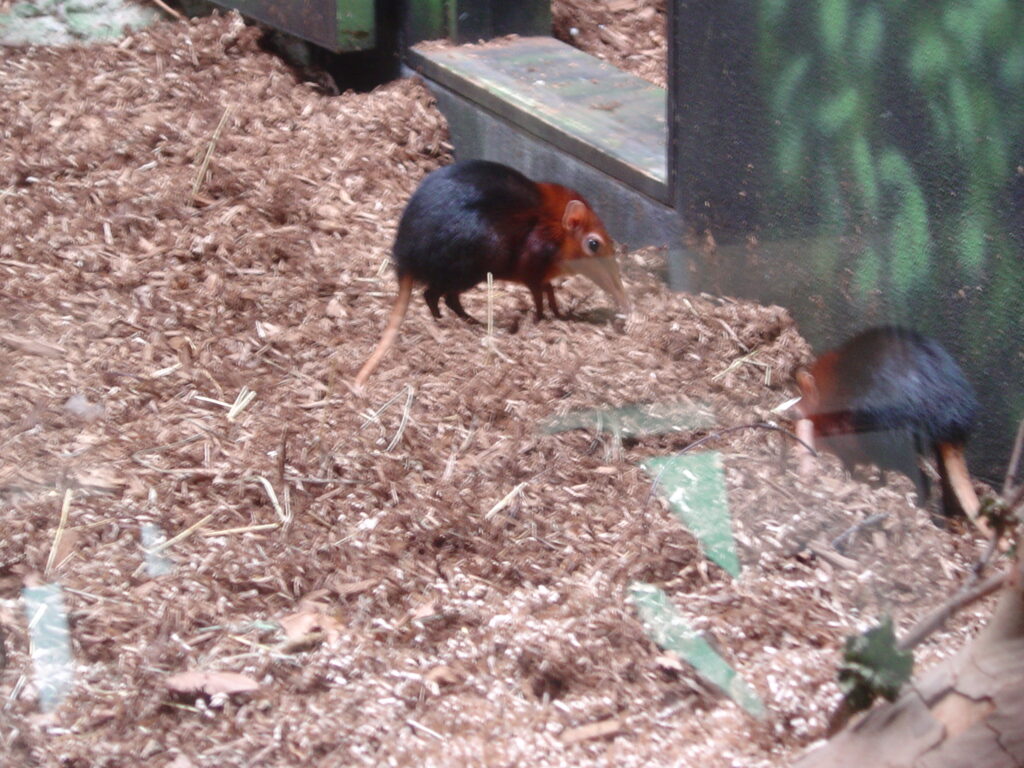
<point>593,244</point>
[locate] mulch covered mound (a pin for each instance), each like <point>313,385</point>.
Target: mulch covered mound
<point>417,575</point>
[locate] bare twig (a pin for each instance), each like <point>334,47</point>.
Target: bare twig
<point>595,730</point>
<point>181,536</point>
<point>205,165</point>
<point>761,425</point>
<point>65,508</point>
<point>272,495</point>
<point>747,359</point>
<point>166,446</point>
<point>405,419</point>
<point>375,415</point>
<point>490,304</point>
<point>243,529</point>
<point>986,557</point>
<point>732,334</point>
<point>504,502</point>
<point>32,346</point>
<point>839,542</point>
<point>830,556</point>
<point>282,457</point>
<point>1011,468</point>
<point>420,727</point>
<point>245,396</point>
<point>168,10</point>
<point>944,612</point>
<point>1016,501</point>
<point>720,433</point>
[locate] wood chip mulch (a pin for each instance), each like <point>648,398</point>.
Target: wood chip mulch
<point>421,575</point>
<point>631,34</point>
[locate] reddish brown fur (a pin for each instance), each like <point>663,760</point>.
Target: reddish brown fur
<point>555,200</point>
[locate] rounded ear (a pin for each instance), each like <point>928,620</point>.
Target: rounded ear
<point>808,390</point>
<point>574,216</point>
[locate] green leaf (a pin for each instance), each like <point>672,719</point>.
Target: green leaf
<point>669,630</point>
<point>873,666</point>
<point>695,487</point>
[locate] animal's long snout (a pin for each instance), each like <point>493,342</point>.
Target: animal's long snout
<point>603,271</point>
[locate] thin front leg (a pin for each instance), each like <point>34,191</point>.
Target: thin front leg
<point>432,296</point>
<point>538,300</point>
<point>549,289</point>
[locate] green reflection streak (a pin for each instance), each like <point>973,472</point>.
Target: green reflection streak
<point>669,630</point>
<point>869,39</point>
<point>867,276</point>
<point>911,242</point>
<point>833,22</point>
<point>695,487</point>
<point>863,164</point>
<point>50,643</point>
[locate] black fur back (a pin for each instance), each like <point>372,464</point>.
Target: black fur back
<point>891,378</point>
<point>464,221</point>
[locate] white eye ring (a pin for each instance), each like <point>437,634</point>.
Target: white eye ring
<point>593,244</point>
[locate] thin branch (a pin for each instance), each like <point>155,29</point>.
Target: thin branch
<point>1011,468</point>
<point>760,425</point>
<point>272,495</point>
<point>720,433</point>
<point>947,610</point>
<point>840,541</point>
<point>201,174</point>
<point>405,419</point>
<point>65,507</point>
<point>168,10</point>
<point>282,457</point>
<point>181,536</point>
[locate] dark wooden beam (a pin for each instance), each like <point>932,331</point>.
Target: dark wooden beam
<point>337,25</point>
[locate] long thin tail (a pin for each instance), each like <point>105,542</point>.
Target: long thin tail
<point>390,331</point>
<point>956,481</point>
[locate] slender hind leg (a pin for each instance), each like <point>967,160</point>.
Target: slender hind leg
<point>431,296</point>
<point>455,305</point>
<point>549,290</point>
<point>958,496</point>
<point>912,468</point>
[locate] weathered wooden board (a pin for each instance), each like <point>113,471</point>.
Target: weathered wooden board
<point>582,105</point>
